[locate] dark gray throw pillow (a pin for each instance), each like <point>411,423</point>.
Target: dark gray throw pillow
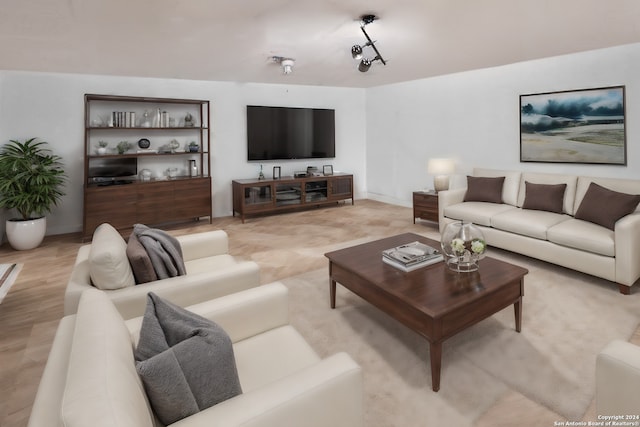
<point>185,361</point>
<point>141,265</point>
<point>544,197</point>
<point>484,189</point>
<point>604,207</point>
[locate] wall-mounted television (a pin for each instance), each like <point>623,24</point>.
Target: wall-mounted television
<point>281,133</point>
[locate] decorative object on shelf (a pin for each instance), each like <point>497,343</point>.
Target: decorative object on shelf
<point>31,181</point>
<point>123,147</point>
<point>327,170</point>
<point>463,245</point>
<point>97,122</point>
<point>146,120</point>
<point>189,121</point>
<point>276,172</point>
<point>144,175</point>
<point>312,170</point>
<point>172,172</point>
<point>261,174</point>
<point>193,168</point>
<point>357,50</point>
<point>144,143</point>
<point>174,145</point>
<point>193,147</point>
<point>102,147</point>
<point>286,63</point>
<point>441,169</point>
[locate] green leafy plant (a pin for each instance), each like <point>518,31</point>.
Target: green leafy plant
<point>31,178</point>
<point>123,147</point>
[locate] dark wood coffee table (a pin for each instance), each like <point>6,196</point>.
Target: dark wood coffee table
<point>434,301</point>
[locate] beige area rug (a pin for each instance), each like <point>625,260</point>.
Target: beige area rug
<point>8,274</point>
<point>567,319</point>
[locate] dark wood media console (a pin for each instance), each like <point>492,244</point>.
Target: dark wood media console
<point>262,196</point>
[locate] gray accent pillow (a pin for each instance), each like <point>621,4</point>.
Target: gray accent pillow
<point>484,189</point>
<point>141,265</point>
<point>544,197</point>
<point>604,207</point>
<point>185,361</point>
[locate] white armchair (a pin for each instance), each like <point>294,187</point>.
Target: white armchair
<point>618,379</point>
<point>90,378</point>
<point>211,272</point>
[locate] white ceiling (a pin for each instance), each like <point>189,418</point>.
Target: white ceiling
<point>233,40</point>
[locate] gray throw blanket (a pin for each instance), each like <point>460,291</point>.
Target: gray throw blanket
<point>163,249</point>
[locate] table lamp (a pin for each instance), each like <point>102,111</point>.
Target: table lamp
<point>441,169</point>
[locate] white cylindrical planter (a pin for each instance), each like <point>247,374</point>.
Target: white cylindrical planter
<point>24,235</point>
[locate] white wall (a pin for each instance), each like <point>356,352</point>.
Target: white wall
<point>474,117</point>
<point>51,107</point>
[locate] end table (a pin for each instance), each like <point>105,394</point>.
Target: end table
<point>425,205</point>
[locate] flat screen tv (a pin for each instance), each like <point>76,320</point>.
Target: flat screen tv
<point>281,133</point>
<point>113,168</point>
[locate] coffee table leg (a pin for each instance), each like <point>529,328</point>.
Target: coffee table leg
<point>435,354</point>
<point>332,292</point>
<point>517,308</point>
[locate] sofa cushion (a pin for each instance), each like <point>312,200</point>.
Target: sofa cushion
<point>544,197</point>
<point>484,189</point>
<point>476,212</point>
<point>186,362</point>
<point>571,182</point>
<point>140,262</point>
<point>604,207</point>
<point>583,235</point>
<point>109,266</point>
<point>527,222</point>
<point>102,387</point>
<point>511,183</point>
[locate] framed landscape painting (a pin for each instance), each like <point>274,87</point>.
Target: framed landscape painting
<point>577,126</point>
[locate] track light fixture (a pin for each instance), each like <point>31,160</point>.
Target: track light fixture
<point>357,50</point>
<point>286,63</point>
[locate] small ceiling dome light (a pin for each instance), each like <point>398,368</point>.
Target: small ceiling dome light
<point>357,50</point>
<point>287,65</point>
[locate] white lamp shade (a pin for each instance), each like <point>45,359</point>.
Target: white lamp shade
<point>441,169</point>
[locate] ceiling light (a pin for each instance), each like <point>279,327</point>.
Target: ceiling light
<point>364,65</point>
<point>357,50</point>
<point>286,63</point>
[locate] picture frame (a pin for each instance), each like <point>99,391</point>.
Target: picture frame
<point>327,170</point>
<point>276,172</point>
<point>574,126</point>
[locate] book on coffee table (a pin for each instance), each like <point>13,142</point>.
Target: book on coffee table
<point>411,256</point>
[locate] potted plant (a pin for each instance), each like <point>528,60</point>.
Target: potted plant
<point>102,147</point>
<point>31,181</point>
<point>123,147</point>
<point>193,147</point>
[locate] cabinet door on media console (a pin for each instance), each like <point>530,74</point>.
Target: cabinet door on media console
<point>341,187</point>
<point>115,204</point>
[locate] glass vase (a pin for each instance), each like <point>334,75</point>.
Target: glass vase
<point>463,245</point>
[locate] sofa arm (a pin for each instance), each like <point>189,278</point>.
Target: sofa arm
<point>187,290</point>
<point>448,198</point>
<point>45,411</point>
<point>618,379</point>
<point>329,393</point>
<point>241,314</point>
<point>205,244</point>
<point>627,243</point>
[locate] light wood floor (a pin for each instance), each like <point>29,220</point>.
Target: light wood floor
<point>283,245</point>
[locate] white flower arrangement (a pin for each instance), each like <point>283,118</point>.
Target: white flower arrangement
<point>457,245</point>
<point>478,246</point>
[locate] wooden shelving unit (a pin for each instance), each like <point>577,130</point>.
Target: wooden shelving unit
<point>159,199</point>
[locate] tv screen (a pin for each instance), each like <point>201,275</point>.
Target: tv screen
<point>113,168</point>
<point>280,133</point>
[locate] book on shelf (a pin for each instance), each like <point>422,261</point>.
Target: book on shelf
<point>411,256</point>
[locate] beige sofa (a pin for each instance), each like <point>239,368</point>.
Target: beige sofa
<point>618,380</point>
<point>558,238</point>
<point>90,378</point>
<point>211,272</point>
